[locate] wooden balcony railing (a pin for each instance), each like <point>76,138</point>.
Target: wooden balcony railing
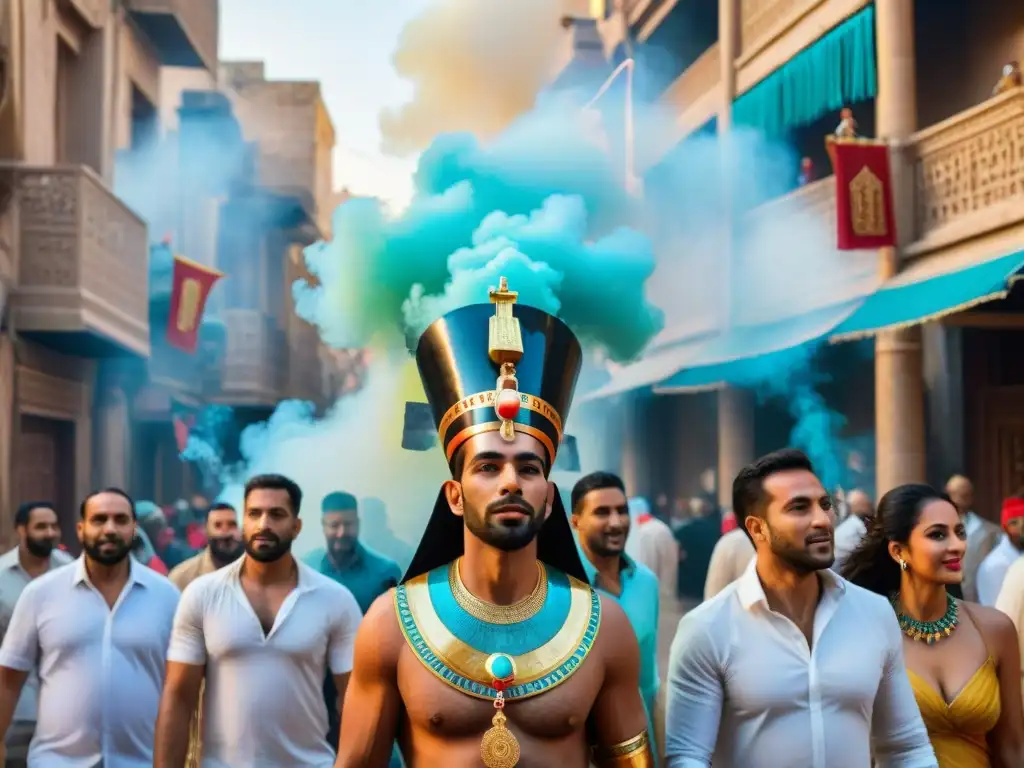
<point>969,173</point>
<point>83,259</point>
<point>254,362</point>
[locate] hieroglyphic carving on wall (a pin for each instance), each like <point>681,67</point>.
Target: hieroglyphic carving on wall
<point>759,18</point>
<point>971,162</point>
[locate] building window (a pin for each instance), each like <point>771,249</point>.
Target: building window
<point>63,107</point>
<point>144,120</point>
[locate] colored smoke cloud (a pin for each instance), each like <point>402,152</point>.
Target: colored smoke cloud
<point>537,205</point>
<point>474,66</point>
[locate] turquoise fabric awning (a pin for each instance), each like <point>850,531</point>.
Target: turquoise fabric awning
<point>742,355</point>
<point>746,355</point>
<point>928,290</point>
<point>835,71</point>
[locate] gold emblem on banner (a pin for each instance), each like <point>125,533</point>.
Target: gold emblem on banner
<point>188,305</point>
<point>867,205</point>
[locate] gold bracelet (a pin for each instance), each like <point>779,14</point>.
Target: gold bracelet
<point>635,753</point>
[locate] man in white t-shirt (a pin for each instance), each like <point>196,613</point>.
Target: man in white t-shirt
<point>262,631</point>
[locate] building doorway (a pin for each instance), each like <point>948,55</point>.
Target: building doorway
<point>1001,455</point>
<point>44,470</point>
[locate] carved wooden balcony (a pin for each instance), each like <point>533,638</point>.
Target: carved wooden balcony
<point>254,363</point>
<point>83,272</point>
<point>969,173</point>
<point>183,32</point>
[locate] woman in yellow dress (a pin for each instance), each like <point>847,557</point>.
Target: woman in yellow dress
<point>963,659</point>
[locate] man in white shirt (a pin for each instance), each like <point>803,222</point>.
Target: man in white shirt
<point>38,530</point>
<point>262,631</point>
<point>852,529</point>
<point>993,568</point>
<point>98,630</point>
<point>791,665</point>
<point>982,535</point>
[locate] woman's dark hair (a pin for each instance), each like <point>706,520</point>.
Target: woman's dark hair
<point>870,565</point>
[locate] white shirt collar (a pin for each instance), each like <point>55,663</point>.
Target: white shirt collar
<point>305,581</point>
<point>134,573</point>
<point>751,592</point>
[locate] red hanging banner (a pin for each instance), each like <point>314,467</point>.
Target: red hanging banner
<point>864,209</point>
<point>190,289</point>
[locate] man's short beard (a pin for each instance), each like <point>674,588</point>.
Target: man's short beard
<point>507,538</point>
<point>40,547</point>
<point>281,548</point>
<point>798,558</point>
<point>223,551</point>
<point>95,552</point>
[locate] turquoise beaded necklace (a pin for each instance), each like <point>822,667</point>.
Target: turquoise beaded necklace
<point>928,631</point>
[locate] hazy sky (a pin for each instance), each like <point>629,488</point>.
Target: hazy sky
<point>347,46</point>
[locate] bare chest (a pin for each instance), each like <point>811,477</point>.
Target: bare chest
<point>437,708</point>
<point>266,602</point>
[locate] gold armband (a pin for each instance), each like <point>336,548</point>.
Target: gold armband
<point>635,753</point>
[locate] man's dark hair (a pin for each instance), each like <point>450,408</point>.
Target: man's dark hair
<point>24,512</point>
<point>276,483</point>
<point>748,496</point>
<point>338,501</point>
<point>116,491</point>
<point>222,505</point>
<point>595,481</point>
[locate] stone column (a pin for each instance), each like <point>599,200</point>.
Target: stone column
<point>632,453</point>
<point>942,366</point>
<point>729,20</point>
<point>899,384</point>
<point>735,438</point>
<point>735,407</point>
<point>111,426</point>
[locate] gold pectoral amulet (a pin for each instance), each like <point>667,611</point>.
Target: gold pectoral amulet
<point>499,748</point>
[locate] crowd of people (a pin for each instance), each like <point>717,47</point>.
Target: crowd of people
<point>519,631</point>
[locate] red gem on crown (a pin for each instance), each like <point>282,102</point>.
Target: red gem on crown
<point>507,405</point>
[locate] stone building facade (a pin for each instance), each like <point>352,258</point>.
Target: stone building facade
<point>948,392</point>
<point>73,255</point>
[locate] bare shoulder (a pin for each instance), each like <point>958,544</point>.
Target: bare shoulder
<point>995,626</point>
<point>615,635</point>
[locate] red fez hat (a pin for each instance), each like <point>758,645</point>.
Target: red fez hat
<point>1012,509</point>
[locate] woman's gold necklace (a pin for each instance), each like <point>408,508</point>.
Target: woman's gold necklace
<point>927,631</point>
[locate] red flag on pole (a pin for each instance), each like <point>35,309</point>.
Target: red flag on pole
<point>182,430</point>
<point>190,289</point>
<point>865,216</point>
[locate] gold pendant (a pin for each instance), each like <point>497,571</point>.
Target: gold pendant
<point>499,748</point>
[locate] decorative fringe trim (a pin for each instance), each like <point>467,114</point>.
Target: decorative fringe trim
<point>868,333</point>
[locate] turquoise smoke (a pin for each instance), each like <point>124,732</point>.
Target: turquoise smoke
<point>538,206</point>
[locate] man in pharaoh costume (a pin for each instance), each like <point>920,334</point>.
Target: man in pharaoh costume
<point>489,652</point>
